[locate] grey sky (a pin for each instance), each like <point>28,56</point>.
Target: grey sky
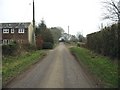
<point>81,15</point>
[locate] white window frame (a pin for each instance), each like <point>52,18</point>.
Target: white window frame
<point>21,30</point>
<point>5,42</point>
<point>12,30</point>
<point>5,30</point>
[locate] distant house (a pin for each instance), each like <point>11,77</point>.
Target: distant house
<point>22,33</point>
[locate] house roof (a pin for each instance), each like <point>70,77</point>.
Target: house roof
<point>15,25</point>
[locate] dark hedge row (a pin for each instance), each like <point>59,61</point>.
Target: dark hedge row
<point>105,41</point>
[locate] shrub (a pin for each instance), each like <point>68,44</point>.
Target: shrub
<point>47,45</point>
<point>78,44</point>
<point>28,47</point>
<point>39,42</point>
<point>9,49</point>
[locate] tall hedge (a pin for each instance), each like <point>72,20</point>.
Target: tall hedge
<point>105,41</point>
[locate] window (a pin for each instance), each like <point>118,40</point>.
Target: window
<point>5,41</point>
<point>21,30</point>
<point>5,30</point>
<point>12,30</point>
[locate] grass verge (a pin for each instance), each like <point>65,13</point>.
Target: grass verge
<point>100,66</point>
<point>12,66</point>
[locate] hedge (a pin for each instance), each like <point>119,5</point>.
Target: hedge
<point>47,45</point>
<point>105,41</point>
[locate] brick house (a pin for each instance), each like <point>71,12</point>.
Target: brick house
<point>22,33</point>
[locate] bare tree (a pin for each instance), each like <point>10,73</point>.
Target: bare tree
<point>113,10</point>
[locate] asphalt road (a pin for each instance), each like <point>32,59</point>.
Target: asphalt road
<point>58,69</point>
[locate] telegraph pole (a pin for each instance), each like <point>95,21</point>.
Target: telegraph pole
<point>34,41</point>
<point>33,15</point>
<point>68,32</point>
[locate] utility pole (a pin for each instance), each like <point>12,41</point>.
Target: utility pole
<point>68,32</point>
<point>34,41</point>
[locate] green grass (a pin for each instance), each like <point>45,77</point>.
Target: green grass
<point>99,65</point>
<point>12,66</point>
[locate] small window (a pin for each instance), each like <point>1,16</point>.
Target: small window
<point>21,30</point>
<point>5,30</point>
<point>12,30</point>
<point>5,41</point>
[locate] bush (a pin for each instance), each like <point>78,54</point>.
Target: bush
<point>47,45</point>
<point>78,44</point>
<point>28,47</point>
<point>10,49</point>
<point>39,42</point>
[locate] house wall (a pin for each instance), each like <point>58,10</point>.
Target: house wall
<point>30,34</point>
<point>27,37</point>
<point>21,38</point>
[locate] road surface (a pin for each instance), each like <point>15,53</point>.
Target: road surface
<point>58,69</point>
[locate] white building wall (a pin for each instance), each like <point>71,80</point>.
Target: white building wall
<point>30,34</point>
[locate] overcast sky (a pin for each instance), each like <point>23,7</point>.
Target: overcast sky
<point>81,15</point>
